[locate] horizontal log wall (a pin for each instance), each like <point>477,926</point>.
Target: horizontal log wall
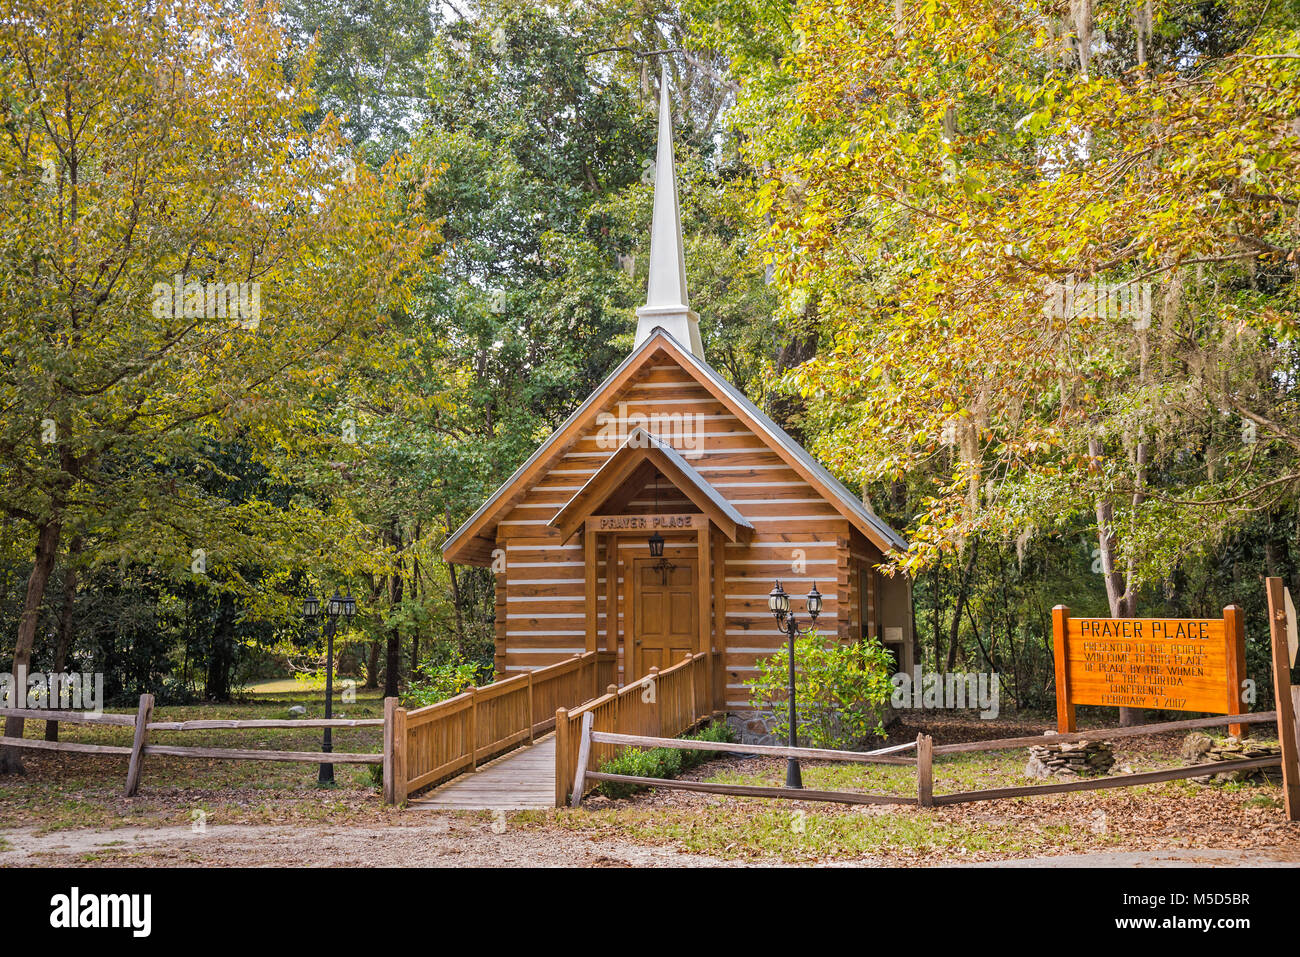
<point>542,618</point>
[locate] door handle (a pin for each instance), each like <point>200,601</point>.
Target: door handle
<point>637,642</point>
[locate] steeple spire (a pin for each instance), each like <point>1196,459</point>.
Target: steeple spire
<point>666,302</point>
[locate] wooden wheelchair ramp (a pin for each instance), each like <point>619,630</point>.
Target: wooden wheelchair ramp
<point>521,779</point>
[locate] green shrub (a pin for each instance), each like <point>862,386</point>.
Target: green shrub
<point>439,682</point>
<point>840,690</point>
<point>659,762</point>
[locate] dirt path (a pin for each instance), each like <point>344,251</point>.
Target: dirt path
<point>445,841</point>
<point>449,840</point>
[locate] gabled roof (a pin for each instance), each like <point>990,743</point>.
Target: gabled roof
<point>643,449</point>
<point>473,542</point>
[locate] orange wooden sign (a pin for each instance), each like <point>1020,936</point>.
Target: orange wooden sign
<point>1170,664</point>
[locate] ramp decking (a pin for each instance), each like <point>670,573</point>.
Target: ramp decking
<point>519,780</point>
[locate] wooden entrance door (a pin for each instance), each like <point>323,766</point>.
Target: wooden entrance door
<point>665,617</point>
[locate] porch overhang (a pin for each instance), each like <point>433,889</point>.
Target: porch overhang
<point>628,470</point>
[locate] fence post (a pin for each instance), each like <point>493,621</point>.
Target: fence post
<point>561,756</point>
<point>1282,700</point>
<point>584,755</point>
<point>136,768</point>
<point>925,770</point>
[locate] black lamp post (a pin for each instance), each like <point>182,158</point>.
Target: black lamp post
<point>338,606</point>
<point>778,603</point>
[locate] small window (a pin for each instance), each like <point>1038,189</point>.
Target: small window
<point>864,603</point>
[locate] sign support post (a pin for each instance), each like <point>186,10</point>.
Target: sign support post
<point>1234,628</point>
<point>1286,730</point>
<point>1064,705</point>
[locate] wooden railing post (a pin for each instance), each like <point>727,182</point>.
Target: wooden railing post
<point>656,711</point>
<point>530,707</point>
<point>925,770</point>
<point>390,751</point>
<point>561,756</point>
<point>690,680</point>
<point>395,777</point>
<point>136,766</point>
<point>584,756</point>
<point>401,773</point>
<point>473,730</point>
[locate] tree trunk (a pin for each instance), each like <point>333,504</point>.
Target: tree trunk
<point>64,643</point>
<point>963,590</point>
<point>221,654</point>
<point>393,658</point>
<point>372,668</point>
<point>455,597</point>
<point>417,590</point>
<point>47,550</point>
<point>1117,596</point>
<point>455,604</point>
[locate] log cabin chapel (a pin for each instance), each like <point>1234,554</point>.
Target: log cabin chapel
<point>654,521</point>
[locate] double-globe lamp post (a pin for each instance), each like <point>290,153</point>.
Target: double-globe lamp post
<point>339,606</point>
<point>778,603</point>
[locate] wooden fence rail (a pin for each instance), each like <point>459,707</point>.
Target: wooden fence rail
<point>141,725</point>
<point>421,747</point>
<point>428,745</point>
<point>590,740</point>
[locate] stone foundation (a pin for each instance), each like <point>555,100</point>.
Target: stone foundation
<point>753,727</point>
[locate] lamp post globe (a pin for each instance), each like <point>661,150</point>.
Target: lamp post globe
<point>814,603</point>
<point>778,603</point>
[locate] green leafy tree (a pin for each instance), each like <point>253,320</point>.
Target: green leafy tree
<point>181,258</point>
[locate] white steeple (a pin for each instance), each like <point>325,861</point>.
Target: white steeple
<point>666,303</point>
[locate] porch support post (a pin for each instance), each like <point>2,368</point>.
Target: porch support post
<point>704,594</point>
<point>718,686</point>
<point>589,557</point>
<point>611,594</point>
